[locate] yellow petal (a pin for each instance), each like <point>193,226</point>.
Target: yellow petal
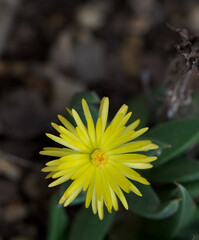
<point>90,189</point>
<point>72,196</point>
<point>98,131</point>
<point>123,110</point>
<point>139,165</point>
<point>114,200</point>
<point>127,137</point>
<point>91,131</point>
<point>56,152</point>
<point>67,124</point>
<point>84,137</point>
<point>132,158</point>
<point>119,178</point>
<point>144,145</point>
<point>88,177</point>
<point>62,141</point>
<point>130,173</point>
<point>106,192</point>
<point>103,112</point>
<point>94,202</point>
<point>79,122</point>
<point>98,184</point>
<point>75,143</point>
<point>86,109</point>
<point>60,180</point>
<point>116,189</point>
<point>100,204</point>
<point>132,126</point>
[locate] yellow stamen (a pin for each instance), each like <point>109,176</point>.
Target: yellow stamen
<point>99,158</point>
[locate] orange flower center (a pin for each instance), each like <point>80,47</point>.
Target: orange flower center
<point>99,158</point>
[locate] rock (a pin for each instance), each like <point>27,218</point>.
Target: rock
<point>19,238</point>
<point>149,9</point>
<point>63,90</point>
<point>23,114</point>
<point>193,18</point>
<point>62,51</point>
<point>8,191</point>
<point>32,186</point>
<point>139,25</point>
<point>92,15</point>
<point>15,212</point>
<point>10,170</point>
<point>131,52</point>
<point>90,60</point>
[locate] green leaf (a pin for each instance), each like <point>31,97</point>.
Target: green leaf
<point>170,227</point>
<point>89,96</point>
<point>146,204</point>
<point>193,188</point>
<point>181,134</point>
<point>181,169</point>
<point>123,228</point>
<point>58,221</point>
<point>165,210</point>
<point>149,205</point>
<point>140,109</point>
<point>88,226</point>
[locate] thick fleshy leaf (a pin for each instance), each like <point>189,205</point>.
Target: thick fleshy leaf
<point>181,134</point>
<point>58,221</point>
<point>193,188</point>
<point>187,211</point>
<point>140,109</point>
<point>149,205</point>
<point>165,210</point>
<point>181,169</point>
<point>86,225</point>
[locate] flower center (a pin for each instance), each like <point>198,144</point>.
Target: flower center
<point>99,158</point>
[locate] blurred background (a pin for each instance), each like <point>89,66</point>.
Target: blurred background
<point>50,50</point>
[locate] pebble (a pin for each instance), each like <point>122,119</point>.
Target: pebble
<point>92,15</point>
<point>15,212</point>
<point>32,186</point>
<point>8,191</point>
<point>90,60</point>
<point>62,51</point>
<point>19,238</point>
<point>63,90</point>
<point>10,170</point>
<point>193,18</point>
<point>17,120</point>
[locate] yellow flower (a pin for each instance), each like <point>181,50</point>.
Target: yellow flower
<point>99,159</point>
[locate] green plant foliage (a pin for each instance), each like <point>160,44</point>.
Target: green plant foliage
<point>57,221</point>
<point>170,227</point>
<point>193,188</point>
<point>88,226</point>
<point>181,134</point>
<point>140,109</point>
<point>149,205</point>
<point>181,169</point>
